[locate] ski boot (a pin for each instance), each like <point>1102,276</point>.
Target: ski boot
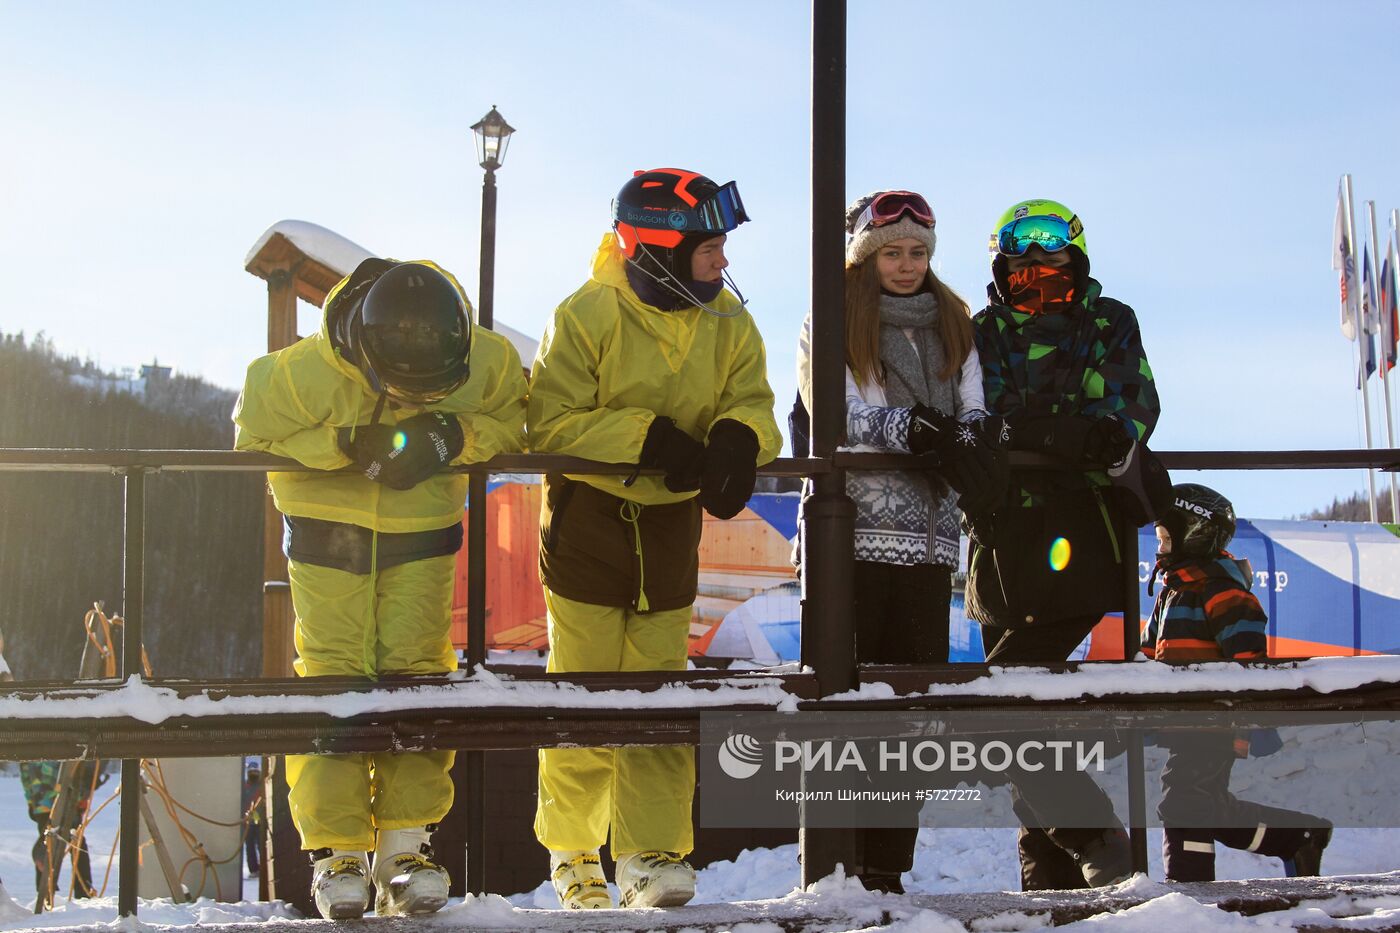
<point>884,882</point>
<point>1307,860</point>
<point>340,883</point>
<point>1107,859</point>
<point>406,878</point>
<point>655,879</point>
<point>578,879</point>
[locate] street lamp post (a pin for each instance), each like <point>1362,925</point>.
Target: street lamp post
<point>492,137</point>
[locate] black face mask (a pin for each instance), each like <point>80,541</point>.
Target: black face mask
<point>669,294</point>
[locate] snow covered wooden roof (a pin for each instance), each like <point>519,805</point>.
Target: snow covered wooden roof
<point>320,258</point>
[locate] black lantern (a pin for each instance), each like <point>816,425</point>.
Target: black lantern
<point>492,137</point>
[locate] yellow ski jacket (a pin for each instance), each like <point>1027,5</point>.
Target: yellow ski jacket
<point>610,363</point>
<point>295,401</point>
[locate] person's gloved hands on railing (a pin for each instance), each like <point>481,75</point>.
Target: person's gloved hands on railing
<point>995,434</point>
<point>1078,439</point>
<point>668,448</point>
<point>730,468</point>
<point>971,466</point>
<point>403,455</point>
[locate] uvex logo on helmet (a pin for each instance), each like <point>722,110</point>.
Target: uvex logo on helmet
<point>1190,506</point>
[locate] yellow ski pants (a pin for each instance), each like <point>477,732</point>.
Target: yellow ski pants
<point>394,621</point>
<point>643,792</point>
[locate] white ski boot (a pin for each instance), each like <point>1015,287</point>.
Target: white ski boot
<point>655,879</point>
<point>578,879</point>
<point>406,878</point>
<point>340,883</point>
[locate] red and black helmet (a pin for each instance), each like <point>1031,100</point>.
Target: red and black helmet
<point>664,213</point>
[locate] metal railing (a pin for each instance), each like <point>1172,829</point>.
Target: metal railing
<point>506,727</point>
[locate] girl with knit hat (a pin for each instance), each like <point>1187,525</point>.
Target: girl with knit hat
<point>913,385</point>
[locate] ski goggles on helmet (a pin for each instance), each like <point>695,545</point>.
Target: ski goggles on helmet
<point>1051,234</point>
<point>889,206</point>
<point>721,212</point>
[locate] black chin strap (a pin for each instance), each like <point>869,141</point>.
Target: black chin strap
<point>379,406</point>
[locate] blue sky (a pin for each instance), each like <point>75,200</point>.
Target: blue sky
<point>147,145</point>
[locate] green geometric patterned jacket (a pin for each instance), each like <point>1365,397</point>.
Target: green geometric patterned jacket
<point>1088,361</point>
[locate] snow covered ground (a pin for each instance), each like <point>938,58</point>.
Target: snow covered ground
<point>948,860</point>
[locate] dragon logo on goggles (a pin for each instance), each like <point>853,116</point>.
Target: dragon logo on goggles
<point>721,212</point>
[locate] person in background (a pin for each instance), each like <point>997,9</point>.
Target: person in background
<point>913,385</point>
<point>1063,365</point>
<point>254,820</point>
<point>42,782</point>
<point>400,386</point>
<point>654,363</point>
<point>1206,612</point>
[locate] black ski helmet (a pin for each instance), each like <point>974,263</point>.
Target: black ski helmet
<point>413,334</point>
<point>1200,520</point>
<point>662,215</point>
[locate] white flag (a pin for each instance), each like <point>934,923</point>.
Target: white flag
<point>1345,264</point>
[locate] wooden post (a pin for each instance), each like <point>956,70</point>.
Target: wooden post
<point>290,274</point>
<point>278,617</point>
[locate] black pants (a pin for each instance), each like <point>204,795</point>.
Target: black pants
<point>901,617</point>
<point>1197,810</point>
<point>253,848</point>
<point>1046,852</point>
<point>82,886</point>
<point>902,613</point>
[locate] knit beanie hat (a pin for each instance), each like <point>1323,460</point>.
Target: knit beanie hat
<point>862,245</point>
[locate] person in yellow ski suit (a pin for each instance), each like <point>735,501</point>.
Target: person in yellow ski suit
<point>653,363</point>
<point>401,386</point>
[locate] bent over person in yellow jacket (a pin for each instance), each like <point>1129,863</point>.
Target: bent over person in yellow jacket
<point>400,386</point>
<point>653,363</point>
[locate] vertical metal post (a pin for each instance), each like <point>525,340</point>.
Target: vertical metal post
<point>1132,644</point>
<point>1353,304</point>
<point>828,634</point>
<point>476,655</point>
<point>1390,330</point>
<point>1387,341</point>
<point>485,312</point>
<point>828,553</point>
<point>133,606</point>
<point>476,556</point>
<point>287,873</point>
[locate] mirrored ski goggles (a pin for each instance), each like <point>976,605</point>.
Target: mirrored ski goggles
<point>1049,233</point>
<point>721,211</point>
<point>889,206</point>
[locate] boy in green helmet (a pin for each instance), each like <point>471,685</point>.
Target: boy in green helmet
<point>1063,365</point>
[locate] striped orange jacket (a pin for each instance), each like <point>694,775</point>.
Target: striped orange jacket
<point>1205,612</point>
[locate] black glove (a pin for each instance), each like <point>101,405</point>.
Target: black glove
<point>995,431</point>
<point>730,467</point>
<point>930,431</point>
<point>975,470</point>
<point>1107,442</point>
<point>995,434</point>
<point>403,455</point>
<point>668,448</point>
<point>1078,439</point>
<point>1143,483</point>
<point>361,442</point>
